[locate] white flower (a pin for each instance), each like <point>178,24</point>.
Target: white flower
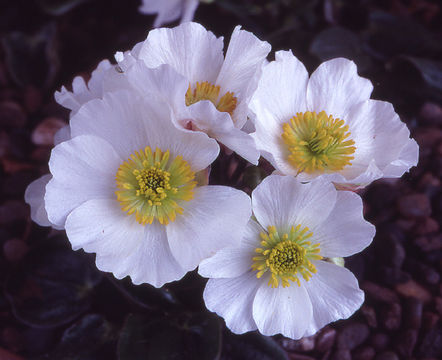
<point>277,279</point>
<point>169,10</point>
<point>82,93</point>
<point>327,125</point>
<point>210,92</point>
<point>124,187</point>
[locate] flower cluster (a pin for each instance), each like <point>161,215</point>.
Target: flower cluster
<point>129,175</point>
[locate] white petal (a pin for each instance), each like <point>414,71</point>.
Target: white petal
<point>356,178</point>
<point>334,294</point>
<point>335,87</point>
<point>34,196</point>
<point>286,311</point>
<point>241,69</point>
<point>62,134</point>
<point>83,168</point>
<point>215,218</point>
<point>408,158</point>
<point>189,10</point>
<point>131,123</point>
<point>189,48</point>
<point>232,299</point>
<point>344,232</point>
<point>283,201</point>
<point>151,261</point>
<point>219,126</point>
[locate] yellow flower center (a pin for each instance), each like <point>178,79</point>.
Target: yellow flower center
<point>207,91</point>
<point>152,186</point>
<point>317,142</point>
<point>286,256</point>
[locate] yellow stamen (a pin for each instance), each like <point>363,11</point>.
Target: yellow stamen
<point>286,256</point>
<point>318,143</point>
<point>207,91</point>
<point>152,186</point>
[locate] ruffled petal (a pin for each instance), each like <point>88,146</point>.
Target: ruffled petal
<point>241,69</point>
<point>335,87</point>
<point>344,232</point>
<point>189,48</point>
<point>282,310</point>
<point>167,11</point>
<point>219,126</point>
<point>232,299</point>
<point>62,134</point>
<point>215,218</point>
<point>283,202</point>
<point>83,168</point>
<point>334,294</point>
<point>190,7</point>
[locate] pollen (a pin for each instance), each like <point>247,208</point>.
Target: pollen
<point>286,257</point>
<point>207,91</point>
<point>152,186</point>
<point>318,143</point>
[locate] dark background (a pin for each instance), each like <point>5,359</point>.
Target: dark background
<point>54,304</point>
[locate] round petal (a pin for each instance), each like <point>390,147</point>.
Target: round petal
<point>219,126</point>
<point>34,196</point>
<point>232,299</point>
<point>63,134</point>
<point>215,218</point>
<point>344,232</point>
<point>189,10</point>
<point>167,11</point>
<point>408,158</point>
<point>123,246</point>
<point>131,123</point>
<point>283,201</point>
<point>335,87</point>
<point>83,168</point>
<point>334,294</point>
<point>190,49</point>
<point>282,310</point>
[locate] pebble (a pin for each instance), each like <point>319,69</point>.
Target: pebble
<point>413,289</point>
<point>364,353</point>
<point>429,243</point>
<point>11,115</point>
<point>431,343</point>
<point>406,341</point>
<point>304,345</point>
<point>380,341</point>
<point>438,304</point>
<point>379,293</point>
<point>429,320</point>
<point>414,205</point>
<point>413,313</point>
<point>429,184</point>
<point>426,226</point>
<point>341,354</point>
<point>427,137</point>
<point>369,315</point>
<point>44,133</point>
<point>392,276</point>
<point>300,357</point>
<point>325,340</point>
<point>387,355</point>
<point>352,335</point>
<point>391,316</point>
<point>392,253</point>
<point>430,114</point>
<point>14,250</point>
<point>13,210</point>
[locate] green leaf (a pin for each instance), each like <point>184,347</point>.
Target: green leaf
<point>196,336</point>
<point>53,288</point>
<point>59,7</point>
<point>253,346</point>
<point>84,340</point>
<point>32,60</point>
<point>252,176</point>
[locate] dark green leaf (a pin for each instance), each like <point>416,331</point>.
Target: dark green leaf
<point>252,177</point>
<point>53,288</point>
<point>339,42</point>
<point>59,7</point>
<point>84,340</point>
<point>253,346</point>
<point>32,60</point>
<point>194,337</point>
<point>146,295</point>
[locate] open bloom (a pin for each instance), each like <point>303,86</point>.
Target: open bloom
<point>169,10</point>
<point>217,88</point>
<point>278,279</point>
<point>124,186</point>
<point>327,125</point>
